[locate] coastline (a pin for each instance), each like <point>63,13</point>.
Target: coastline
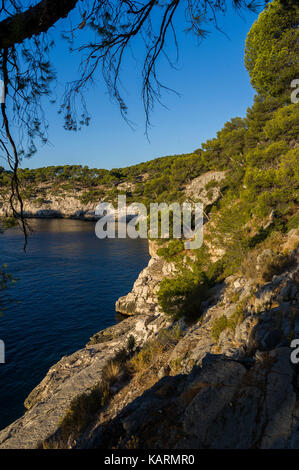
<point>197,358</point>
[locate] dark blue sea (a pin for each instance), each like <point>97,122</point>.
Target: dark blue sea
<point>67,285</point>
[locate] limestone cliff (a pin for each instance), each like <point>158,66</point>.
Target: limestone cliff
<point>67,205</point>
<point>206,387</point>
<point>143,297</point>
<point>70,377</point>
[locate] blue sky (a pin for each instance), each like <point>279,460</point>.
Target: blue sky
<point>213,84</point>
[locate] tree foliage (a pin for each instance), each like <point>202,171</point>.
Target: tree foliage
<point>261,157</point>
<point>272,49</point>
<point>114,27</point>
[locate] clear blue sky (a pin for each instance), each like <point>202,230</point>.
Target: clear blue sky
<point>211,79</point>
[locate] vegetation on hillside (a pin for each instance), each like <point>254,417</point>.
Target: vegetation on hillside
<point>161,179</point>
<point>260,196</point>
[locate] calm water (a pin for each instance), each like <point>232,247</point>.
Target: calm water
<point>67,286</point>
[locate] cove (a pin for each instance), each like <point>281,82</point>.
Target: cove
<point>66,289</point>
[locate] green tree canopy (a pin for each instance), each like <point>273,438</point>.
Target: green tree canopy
<point>271,53</point>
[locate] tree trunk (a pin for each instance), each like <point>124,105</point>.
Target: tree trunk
<point>36,20</point>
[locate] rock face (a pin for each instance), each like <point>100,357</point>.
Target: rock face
<point>237,391</point>
<point>220,405</point>
<point>70,377</point>
<point>205,188</point>
<point>69,203</point>
<point>68,206</point>
<point>228,387</point>
<point>54,206</point>
<point>143,297</point>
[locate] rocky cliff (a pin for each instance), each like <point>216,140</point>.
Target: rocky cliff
<point>46,202</point>
<point>51,205</point>
<point>143,297</point>
<point>70,377</point>
<point>207,384</point>
<point>217,367</point>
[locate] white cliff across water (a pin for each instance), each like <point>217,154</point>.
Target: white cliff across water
<point>53,206</point>
<point>46,203</point>
<point>69,206</point>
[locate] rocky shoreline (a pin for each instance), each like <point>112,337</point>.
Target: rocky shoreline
<point>239,390</point>
<point>143,297</point>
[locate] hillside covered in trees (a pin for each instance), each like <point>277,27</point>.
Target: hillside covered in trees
<point>259,153</point>
<point>204,359</point>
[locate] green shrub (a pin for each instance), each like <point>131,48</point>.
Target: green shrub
<point>211,184</point>
<point>271,55</point>
<point>219,325</point>
<point>82,411</point>
<point>182,294</point>
<point>215,272</point>
<point>146,356</point>
<point>293,222</point>
<point>176,295</point>
<point>173,248</point>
